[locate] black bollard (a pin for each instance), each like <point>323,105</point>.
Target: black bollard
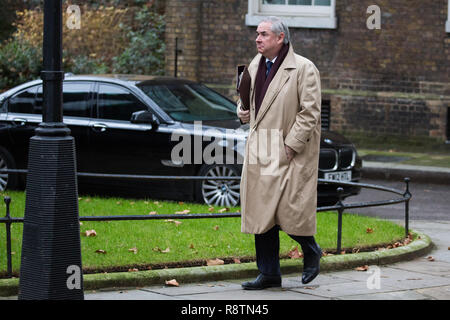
<point>51,252</point>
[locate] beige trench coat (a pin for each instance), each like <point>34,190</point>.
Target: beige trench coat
<point>274,190</point>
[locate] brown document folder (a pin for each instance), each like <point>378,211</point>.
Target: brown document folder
<point>243,86</point>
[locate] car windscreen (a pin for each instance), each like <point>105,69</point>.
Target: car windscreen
<point>188,102</point>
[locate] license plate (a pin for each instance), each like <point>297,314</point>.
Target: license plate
<point>339,176</point>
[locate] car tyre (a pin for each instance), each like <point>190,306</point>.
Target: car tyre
<point>7,181</point>
<point>224,193</point>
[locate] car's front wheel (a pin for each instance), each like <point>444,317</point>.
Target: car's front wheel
<point>9,181</point>
<point>223,193</point>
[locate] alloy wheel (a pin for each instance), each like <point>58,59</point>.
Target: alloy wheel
<point>221,192</point>
<point>3,176</point>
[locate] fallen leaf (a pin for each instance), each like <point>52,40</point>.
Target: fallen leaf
<point>369,230</point>
<point>181,203</point>
<point>236,260</point>
<point>166,251</point>
<point>430,258</point>
<point>172,283</point>
<point>295,254</point>
<point>362,268</point>
<point>133,270</point>
<point>100,251</point>
<point>177,223</point>
<point>90,233</point>
<point>152,212</point>
<point>224,210</point>
<point>134,250</point>
<point>215,262</point>
<point>132,202</point>
<point>216,228</point>
<point>156,249</point>
<point>211,209</point>
<point>183,212</point>
<point>191,246</point>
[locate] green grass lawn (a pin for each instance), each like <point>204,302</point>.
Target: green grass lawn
<point>157,243</point>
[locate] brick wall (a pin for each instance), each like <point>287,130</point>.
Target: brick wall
<point>410,54</point>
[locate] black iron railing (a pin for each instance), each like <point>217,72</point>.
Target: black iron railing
<point>404,197</point>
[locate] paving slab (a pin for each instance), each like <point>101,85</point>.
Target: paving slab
<point>200,288</point>
<point>343,289</point>
<point>422,265</point>
<point>267,294</point>
<point>126,295</point>
<point>395,295</point>
<point>438,293</point>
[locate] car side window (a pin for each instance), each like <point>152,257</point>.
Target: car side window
<point>117,103</point>
<point>23,102</point>
<point>75,99</point>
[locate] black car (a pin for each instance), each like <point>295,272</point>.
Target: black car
<point>152,125</point>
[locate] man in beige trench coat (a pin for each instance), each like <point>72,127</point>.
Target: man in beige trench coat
<point>279,177</point>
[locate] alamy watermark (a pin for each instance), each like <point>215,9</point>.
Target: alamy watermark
<point>374,20</point>
<point>74,17</point>
<point>374,280</point>
<point>74,279</point>
<point>213,146</point>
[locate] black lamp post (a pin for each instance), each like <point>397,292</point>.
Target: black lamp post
<point>51,252</point>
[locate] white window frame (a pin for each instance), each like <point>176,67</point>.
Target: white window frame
<point>447,23</point>
<point>297,16</point>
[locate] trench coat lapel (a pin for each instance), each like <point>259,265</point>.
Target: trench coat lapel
<point>277,83</point>
<point>253,70</point>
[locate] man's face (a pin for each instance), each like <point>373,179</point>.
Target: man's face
<point>267,42</point>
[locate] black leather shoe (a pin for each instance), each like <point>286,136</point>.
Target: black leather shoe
<point>311,265</point>
<point>262,282</point>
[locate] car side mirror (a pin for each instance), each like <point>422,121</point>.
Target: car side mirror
<point>145,117</point>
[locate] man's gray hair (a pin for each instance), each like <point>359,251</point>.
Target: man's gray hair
<point>279,26</point>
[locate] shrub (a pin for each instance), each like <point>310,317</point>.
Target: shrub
<point>19,62</point>
<point>145,53</point>
<point>100,38</point>
<point>121,40</point>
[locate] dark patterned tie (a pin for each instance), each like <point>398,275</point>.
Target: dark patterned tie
<point>269,66</point>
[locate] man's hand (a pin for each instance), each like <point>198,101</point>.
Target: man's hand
<point>244,115</point>
<point>290,153</point>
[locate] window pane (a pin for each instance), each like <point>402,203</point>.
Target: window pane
<point>322,2</point>
<point>190,102</point>
<point>301,2</point>
<point>117,103</point>
<point>23,102</point>
<point>274,2</point>
<point>75,99</point>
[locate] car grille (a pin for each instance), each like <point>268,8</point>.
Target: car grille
<point>346,158</point>
<point>328,159</point>
<point>331,159</point>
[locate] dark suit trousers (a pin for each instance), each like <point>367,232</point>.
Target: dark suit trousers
<point>267,247</point>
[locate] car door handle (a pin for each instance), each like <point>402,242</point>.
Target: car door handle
<point>20,121</point>
<point>99,127</point>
